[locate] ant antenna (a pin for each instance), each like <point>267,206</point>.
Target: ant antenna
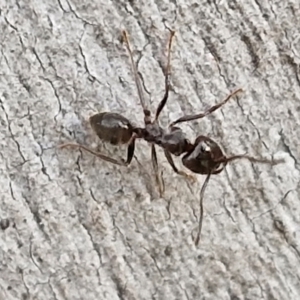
<point>197,239</point>
<point>225,160</point>
<point>250,158</point>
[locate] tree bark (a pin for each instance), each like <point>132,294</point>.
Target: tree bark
<point>77,227</point>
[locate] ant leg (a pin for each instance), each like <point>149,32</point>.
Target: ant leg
<point>155,167</point>
<point>147,113</point>
<point>167,82</point>
<point>130,152</point>
<point>182,173</point>
<point>197,239</point>
<point>207,112</point>
<point>98,154</point>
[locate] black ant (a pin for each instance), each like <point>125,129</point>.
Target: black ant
<point>204,156</point>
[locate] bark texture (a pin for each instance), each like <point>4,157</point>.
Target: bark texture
<point>75,227</point>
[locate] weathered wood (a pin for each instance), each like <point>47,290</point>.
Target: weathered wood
<point>81,228</point>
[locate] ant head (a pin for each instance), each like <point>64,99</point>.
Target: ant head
<point>206,157</point>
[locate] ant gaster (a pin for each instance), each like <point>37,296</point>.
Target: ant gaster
<point>204,156</point>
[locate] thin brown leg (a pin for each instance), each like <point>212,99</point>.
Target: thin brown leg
<point>167,82</point>
<point>182,173</point>
<point>197,239</point>
<point>147,113</point>
<point>207,112</point>
<point>156,172</point>
<point>130,152</point>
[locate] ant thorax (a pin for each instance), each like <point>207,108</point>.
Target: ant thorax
<point>153,133</point>
<point>175,141</point>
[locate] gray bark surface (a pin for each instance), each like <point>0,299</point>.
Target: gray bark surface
<point>76,227</point>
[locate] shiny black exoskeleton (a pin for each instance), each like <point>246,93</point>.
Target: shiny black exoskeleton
<point>204,156</point>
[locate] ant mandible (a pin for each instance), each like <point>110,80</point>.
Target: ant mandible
<point>204,156</point>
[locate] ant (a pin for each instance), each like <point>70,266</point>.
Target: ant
<point>204,156</point>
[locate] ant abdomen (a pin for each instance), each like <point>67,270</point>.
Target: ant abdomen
<point>112,127</point>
